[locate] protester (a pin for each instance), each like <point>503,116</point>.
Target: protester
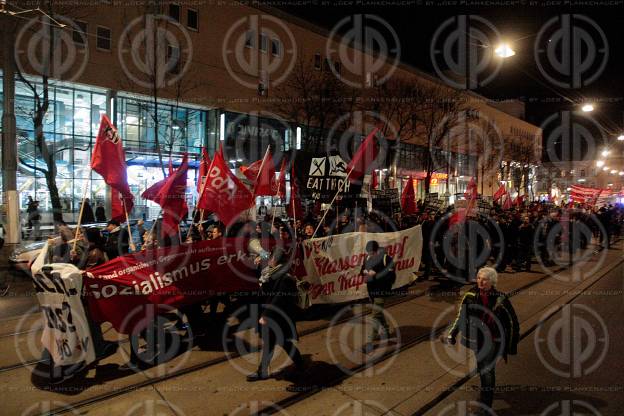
<point>488,326</point>
<point>100,212</point>
<point>34,217</point>
<point>90,250</point>
<point>277,322</point>
<point>87,213</point>
<point>117,240</point>
<point>378,270</point>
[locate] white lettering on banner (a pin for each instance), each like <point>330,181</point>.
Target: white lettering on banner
<point>66,333</point>
<point>333,263</point>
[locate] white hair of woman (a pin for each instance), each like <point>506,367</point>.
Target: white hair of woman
<point>490,273</point>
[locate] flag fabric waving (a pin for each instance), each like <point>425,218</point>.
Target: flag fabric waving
<point>109,160</point>
<point>204,165</point>
<point>294,209</point>
<point>374,180</point>
<point>251,172</point>
<point>264,184</point>
<point>507,204</point>
<point>408,198</point>
<point>363,157</point>
<point>170,194</point>
<point>224,193</point>
<point>280,186</point>
<point>499,193</point>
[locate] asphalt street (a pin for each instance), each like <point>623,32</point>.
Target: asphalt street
<point>570,365</point>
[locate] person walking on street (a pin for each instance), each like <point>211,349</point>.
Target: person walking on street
<point>100,213</point>
<point>87,213</point>
<point>34,217</point>
<point>489,327</point>
<point>277,323</point>
<point>378,271</point>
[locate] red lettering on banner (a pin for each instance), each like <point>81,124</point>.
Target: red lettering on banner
<point>348,281</point>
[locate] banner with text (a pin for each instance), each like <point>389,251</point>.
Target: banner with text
<point>333,263</point>
<point>125,290</point>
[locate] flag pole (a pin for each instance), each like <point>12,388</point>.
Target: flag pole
<point>332,202</point>
<point>84,196</point>
<point>275,206</point>
<point>131,243</point>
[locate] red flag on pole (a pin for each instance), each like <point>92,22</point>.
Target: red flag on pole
<point>109,160</point>
<point>170,194</point>
<point>374,180</point>
<point>281,182</point>
<point>251,172</point>
<point>499,193</point>
<point>363,157</point>
<point>507,204</point>
<point>204,165</point>
<point>408,198</point>
<point>265,182</point>
<point>294,208</point>
<point>519,200</point>
<point>224,193</point>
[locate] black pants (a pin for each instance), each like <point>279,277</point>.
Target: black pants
<point>269,342</point>
<point>486,365</point>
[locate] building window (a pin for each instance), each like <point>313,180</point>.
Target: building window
<point>328,65</point>
<point>79,34</point>
<point>103,38</point>
<point>192,20</point>
<point>317,61</point>
<point>582,173</point>
<point>264,40</point>
<point>276,47</point>
<point>250,39</point>
<point>174,12</point>
<point>173,59</point>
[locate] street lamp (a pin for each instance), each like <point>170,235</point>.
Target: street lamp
<point>605,153</point>
<point>600,163</point>
<point>621,137</point>
<point>504,51</point>
<point>587,108</point>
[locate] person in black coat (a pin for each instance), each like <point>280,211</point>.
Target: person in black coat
<point>488,326</point>
<point>100,213</point>
<point>277,323</point>
<point>117,240</point>
<point>87,213</point>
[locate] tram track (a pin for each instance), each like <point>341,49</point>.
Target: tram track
<point>393,302</point>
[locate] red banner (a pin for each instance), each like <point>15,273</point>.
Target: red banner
<point>123,290</point>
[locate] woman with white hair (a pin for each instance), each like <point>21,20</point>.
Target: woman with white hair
<point>488,326</point>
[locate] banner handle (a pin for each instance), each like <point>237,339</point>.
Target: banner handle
<point>332,202</point>
<point>131,243</point>
<point>84,196</point>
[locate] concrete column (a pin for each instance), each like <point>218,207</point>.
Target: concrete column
<point>12,224</point>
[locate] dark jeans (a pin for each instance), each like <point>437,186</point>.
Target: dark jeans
<point>269,342</point>
<point>486,365</point>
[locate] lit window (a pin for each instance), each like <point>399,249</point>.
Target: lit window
<point>192,19</point>
<point>103,38</point>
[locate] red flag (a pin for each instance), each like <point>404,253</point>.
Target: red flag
<point>499,193</point>
<point>224,193</point>
<point>281,182</point>
<point>251,171</point>
<point>363,157</point>
<point>170,194</point>
<point>294,209</point>
<point>507,204</point>
<point>471,190</point>
<point>374,180</point>
<point>204,165</point>
<point>519,200</point>
<point>109,160</point>
<point>264,184</point>
<point>408,198</point>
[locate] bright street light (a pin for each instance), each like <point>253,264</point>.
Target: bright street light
<point>606,168</point>
<point>605,153</point>
<point>587,108</point>
<point>621,137</point>
<point>504,51</point>
<point>613,171</point>
<point>600,163</point>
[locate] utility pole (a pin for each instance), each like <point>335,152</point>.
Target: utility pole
<point>12,223</point>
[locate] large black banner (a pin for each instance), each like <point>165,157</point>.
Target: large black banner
<point>386,201</point>
<point>321,176</point>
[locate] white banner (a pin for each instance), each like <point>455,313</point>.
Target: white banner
<point>66,333</point>
<point>333,263</point>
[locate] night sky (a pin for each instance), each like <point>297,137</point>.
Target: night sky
<point>520,77</point>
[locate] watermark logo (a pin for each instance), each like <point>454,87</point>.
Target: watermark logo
<point>153,408</point>
<point>259,50</point>
<point>49,407</point>
<point>460,245</point>
<point>272,325</point>
<point>571,50</point>
<point>361,408</point>
<point>570,135</point>
<point>45,48</point>
<point>367,47</point>
<point>575,344</point>
<point>453,358</point>
<point>462,51</point>
<point>570,408</point>
<point>463,408</point>
<point>569,242</point>
<point>158,334</point>
<point>258,407</point>
<point>347,134</point>
<point>155,51</point>
<point>358,339</point>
